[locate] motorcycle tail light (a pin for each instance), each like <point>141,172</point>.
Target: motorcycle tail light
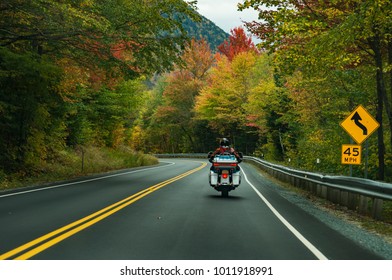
<point>225,175</point>
<point>224,164</point>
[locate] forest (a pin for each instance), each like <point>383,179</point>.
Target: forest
<point>85,81</point>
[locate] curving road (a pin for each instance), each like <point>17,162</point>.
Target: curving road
<point>164,212</point>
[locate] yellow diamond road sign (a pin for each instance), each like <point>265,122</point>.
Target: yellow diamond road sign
<point>360,124</point>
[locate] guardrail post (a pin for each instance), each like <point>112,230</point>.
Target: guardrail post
<point>309,186</point>
<point>333,195</point>
<point>343,198</point>
<point>296,182</point>
<point>352,201</point>
<point>377,208</point>
<point>324,192</point>
<point>363,204</point>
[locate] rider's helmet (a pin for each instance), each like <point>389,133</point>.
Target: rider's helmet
<point>225,143</point>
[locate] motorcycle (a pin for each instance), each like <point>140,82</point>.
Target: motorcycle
<point>225,174</point>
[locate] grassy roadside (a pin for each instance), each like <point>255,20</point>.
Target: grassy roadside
<point>73,163</point>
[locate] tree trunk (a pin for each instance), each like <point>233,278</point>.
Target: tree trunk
<point>390,87</point>
<point>375,44</point>
<point>189,137</point>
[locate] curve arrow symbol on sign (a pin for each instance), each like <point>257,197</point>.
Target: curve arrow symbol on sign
<point>359,124</point>
<point>357,118</point>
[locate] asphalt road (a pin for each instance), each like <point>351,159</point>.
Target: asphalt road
<point>163,212</point>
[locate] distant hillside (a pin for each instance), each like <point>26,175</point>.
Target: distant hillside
<point>206,29</point>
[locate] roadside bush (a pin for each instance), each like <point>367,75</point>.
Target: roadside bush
<point>72,163</point>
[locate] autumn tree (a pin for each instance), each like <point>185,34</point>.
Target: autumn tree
<point>238,42</point>
<point>174,116</point>
<point>324,38</point>
<point>197,58</point>
<point>140,36</point>
<point>267,110</point>
<point>221,103</point>
<point>67,70</point>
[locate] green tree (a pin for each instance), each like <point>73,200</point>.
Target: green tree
<point>69,70</point>
<point>222,102</point>
<point>175,114</point>
<point>321,37</point>
<point>136,36</point>
<point>31,110</point>
<point>111,113</point>
<point>269,109</point>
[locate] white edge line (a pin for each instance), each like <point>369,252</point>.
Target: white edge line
<point>86,181</point>
<point>297,234</point>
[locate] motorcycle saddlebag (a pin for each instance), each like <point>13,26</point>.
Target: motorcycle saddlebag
<point>213,178</point>
<point>236,178</point>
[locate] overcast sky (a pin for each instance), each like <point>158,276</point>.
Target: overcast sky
<point>224,13</point>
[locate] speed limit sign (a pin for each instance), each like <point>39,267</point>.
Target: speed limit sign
<point>351,154</point>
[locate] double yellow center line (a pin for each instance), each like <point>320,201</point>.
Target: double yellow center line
<point>40,244</point>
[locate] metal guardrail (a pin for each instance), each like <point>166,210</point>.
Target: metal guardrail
<point>361,186</point>
<point>362,195</point>
<point>199,155</point>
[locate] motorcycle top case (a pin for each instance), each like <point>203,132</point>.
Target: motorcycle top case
<point>225,160</point>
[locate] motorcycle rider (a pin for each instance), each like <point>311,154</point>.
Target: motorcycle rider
<point>225,148</point>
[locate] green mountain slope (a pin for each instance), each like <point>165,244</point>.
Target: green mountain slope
<point>206,29</point>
